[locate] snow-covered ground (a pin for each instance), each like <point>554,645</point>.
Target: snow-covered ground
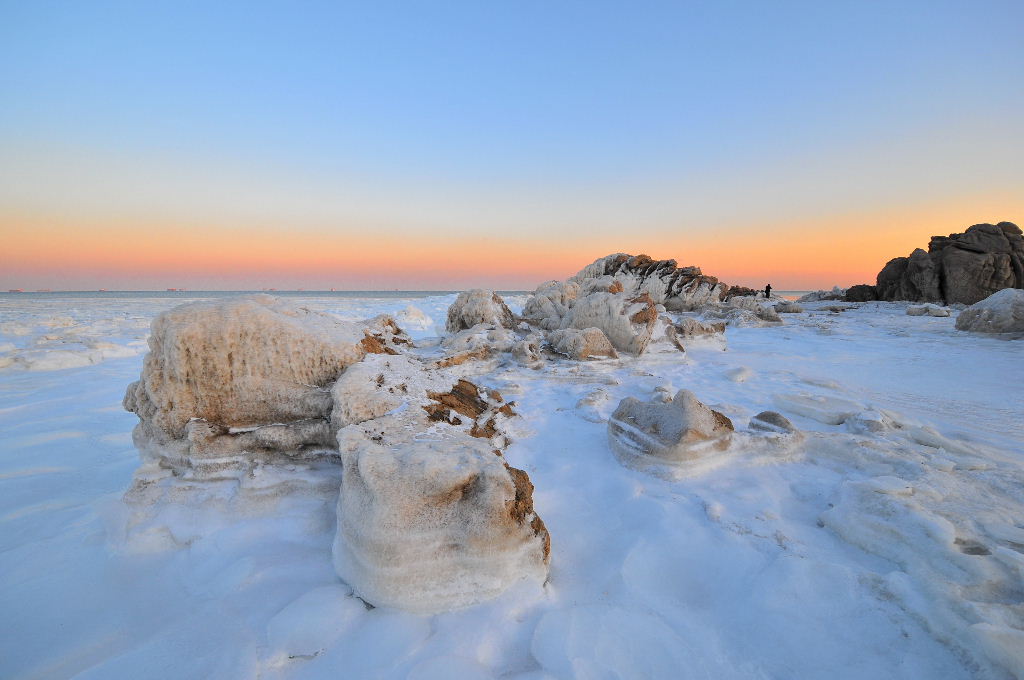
<point>889,545</point>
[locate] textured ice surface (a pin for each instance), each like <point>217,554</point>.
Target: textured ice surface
<point>892,546</point>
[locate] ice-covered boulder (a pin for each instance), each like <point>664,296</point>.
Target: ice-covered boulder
<point>762,308</point>
<point>627,321</point>
<point>1001,312</point>
<point>492,337</point>
<point>588,343</point>
<point>478,306</point>
<point>927,309</point>
<point>243,362</point>
<point>654,433</point>
<point>836,293</point>
<point>788,307</point>
<point>431,525</point>
<point>677,288</point>
<point>550,303</point>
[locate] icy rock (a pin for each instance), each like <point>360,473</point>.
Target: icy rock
<point>770,421</point>
<point>688,327</point>
<point>927,309</point>
<point>761,308</point>
<point>1001,312</point>
<point>527,350</point>
<point>679,431</point>
<point>787,307</point>
<point>550,303</point>
<point>478,306</point>
<point>676,288</point>
<point>430,526</point>
<point>628,322</point>
<point>588,343</point>
<point>383,336</point>
<point>836,293</point>
<point>242,362</point>
<point>482,336</point>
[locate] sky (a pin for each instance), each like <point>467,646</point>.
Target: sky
<point>445,145</point>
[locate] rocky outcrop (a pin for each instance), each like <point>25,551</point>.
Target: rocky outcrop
<point>959,268</point>
<point>588,343</point>
<point>676,288</point>
<point>862,292</point>
<point>478,306</point>
<point>433,525</point>
<point>645,434</point>
<point>1001,312</point>
<point>627,321</point>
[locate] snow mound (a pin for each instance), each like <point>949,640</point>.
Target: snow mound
<point>1001,312</point>
<point>431,526</point>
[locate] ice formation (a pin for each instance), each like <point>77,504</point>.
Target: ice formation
<point>434,525</point>
<point>1001,312</point>
<point>679,431</point>
<point>478,306</point>
<point>927,309</point>
<point>588,343</point>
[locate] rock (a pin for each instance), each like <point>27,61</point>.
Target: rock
<point>431,526</point>
<point>680,431</point>
<point>836,293</point>
<point>588,343</point>
<point>677,288</point>
<point>688,327</point>
<point>771,421</point>
<point>243,363</point>
<point>788,307</point>
<point>487,336</point>
<point>383,336</point>
<point>1001,312</point>
<point>627,321</point>
<point>860,293</point>
<point>761,308</point>
<point>550,303</point>
<point>478,306</point>
<point>959,268</point>
<point>927,309</point>
<point>528,349</point>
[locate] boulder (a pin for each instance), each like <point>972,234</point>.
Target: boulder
<point>1001,312</point>
<point>550,303</point>
<point>588,343</point>
<point>788,307</point>
<point>626,320</point>
<point>860,293</point>
<point>430,526</point>
<point>927,309</point>
<point>478,306</point>
<point>836,293</point>
<point>959,268</point>
<point>245,362</point>
<point>678,432</point>
<point>676,288</point>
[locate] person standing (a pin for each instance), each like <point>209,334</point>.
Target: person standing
<point>768,291</point>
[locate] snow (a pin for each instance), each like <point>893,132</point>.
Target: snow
<point>888,542</point>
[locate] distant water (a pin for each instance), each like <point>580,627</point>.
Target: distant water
<point>188,294</point>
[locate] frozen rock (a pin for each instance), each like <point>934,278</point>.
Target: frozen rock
<point>836,293</point>
<point>478,306</point>
<point>550,303</point>
<point>679,431</point>
<point>761,308</point>
<point>927,309</point>
<point>487,336</point>
<point>383,336</point>
<point>528,349</point>
<point>677,288</point>
<point>1001,312</point>
<point>628,322</point>
<point>787,307</point>
<point>242,362</point>
<point>588,343</point>
<point>430,526</point>
<point>770,421</point>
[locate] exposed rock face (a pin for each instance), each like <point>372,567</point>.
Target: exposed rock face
<point>259,365</point>
<point>677,288</point>
<point>478,306</point>
<point>430,526</point>
<point>1001,312</point>
<point>860,293</point>
<point>680,431</point>
<point>589,343</point>
<point>959,268</point>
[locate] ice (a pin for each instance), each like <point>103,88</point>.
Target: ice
<point>890,545</point>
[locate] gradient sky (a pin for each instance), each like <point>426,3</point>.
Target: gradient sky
<point>440,145</point>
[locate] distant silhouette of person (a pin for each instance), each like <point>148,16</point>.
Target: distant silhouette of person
<point>768,291</point>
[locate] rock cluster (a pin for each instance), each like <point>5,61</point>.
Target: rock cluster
<point>478,306</point>
<point>959,268</point>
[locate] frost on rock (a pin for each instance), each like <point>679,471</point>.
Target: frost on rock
<point>788,307</point>
<point>435,524</point>
<point>483,336</point>
<point>242,363</point>
<point>588,343</point>
<point>628,322</point>
<point>680,431</point>
<point>478,306</point>
<point>1001,312</point>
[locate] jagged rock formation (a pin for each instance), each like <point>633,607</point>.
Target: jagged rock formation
<point>677,288</point>
<point>478,306</point>
<point>429,526</point>
<point>589,343</point>
<point>959,268</point>
<point>653,433</point>
<point>1001,312</point>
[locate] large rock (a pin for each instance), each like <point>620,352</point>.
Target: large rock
<point>244,362</point>
<point>1001,312</point>
<point>959,268</point>
<point>589,343</point>
<point>681,431</point>
<point>430,526</point>
<point>862,292</point>
<point>627,321</point>
<point>677,288</point>
<point>478,306</point>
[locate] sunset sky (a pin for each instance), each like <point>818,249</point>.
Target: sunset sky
<point>444,145</point>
